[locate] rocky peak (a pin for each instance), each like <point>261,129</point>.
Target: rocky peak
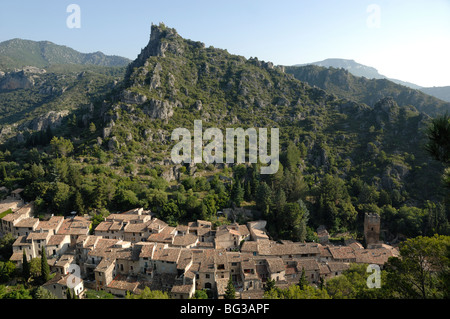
<point>162,39</point>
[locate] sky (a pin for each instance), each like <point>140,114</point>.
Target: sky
<point>406,40</point>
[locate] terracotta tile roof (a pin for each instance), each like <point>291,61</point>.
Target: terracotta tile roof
<point>105,264</point>
<point>182,228</point>
<point>136,228</point>
<point>270,248</point>
<point>64,260</point>
<point>162,237</point>
<point>324,251</point>
<point>168,255</point>
<point>17,256</point>
<point>27,222</point>
<point>185,259</point>
<point>377,256</point>
<point>74,226</point>
<point>181,289</point>
<point>207,261</point>
<point>342,252</point>
<point>87,241</point>
<point>38,236</point>
<point>249,246</point>
<point>22,241</point>
<point>158,225</point>
<point>103,247</point>
<point>50,224</point>
<point>338,266</point>
<point>324,269</point>
<point>125,283</point>
<point>291,269</point>
<point>188,239</point>
<point>147,250</point>
<point>275,265</point>
<point>103,226</point>
<point>56,240</point>
<point>307,263</point>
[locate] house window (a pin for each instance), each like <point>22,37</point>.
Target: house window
<point>207,276</point>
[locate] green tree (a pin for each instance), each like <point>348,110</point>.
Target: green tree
<point>45,268</point>
<point>302,282</point>
<point>7,270</point>
<point>68,294</point>
<point>35,267</point>
<point>334,205</point>
<point>6,243</point>
<point>294,292</point>
<point>230,291</point>
<point>25,267</point>
<point>438,139</point>
<point>439,143</point>
<point>200,294</point>
<point>92,128</point>
<point>3,175</point>
<point>237,194</point>
<point>270,284</point>
<point>263,197</point>
<point>61,147</point>
<point>42,293</point>
<point>148,294</point>
<point>422,269</point>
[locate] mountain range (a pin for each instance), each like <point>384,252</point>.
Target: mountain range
<point>368,72</point>
<point>343,151</point>
<point>343,83</point>
<point>18,53</point>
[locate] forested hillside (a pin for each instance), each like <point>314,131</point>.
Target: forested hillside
<point>340,156</point>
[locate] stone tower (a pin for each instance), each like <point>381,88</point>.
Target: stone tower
<point>372,224</point>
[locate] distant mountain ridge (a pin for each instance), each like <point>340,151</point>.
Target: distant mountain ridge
<point>358,69</point>
<point>441,92</point>
<point>18,53</point>
<point>344,84</point>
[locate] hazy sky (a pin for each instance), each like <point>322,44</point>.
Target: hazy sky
<point>406,40</point>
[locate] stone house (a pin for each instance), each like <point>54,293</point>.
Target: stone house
<point>203,230</point>
<point>61,264</point>
<point>276,269</point>
<point>25,226</point>
<point>288,250</point>
<point>230,236</point>
<point>74,227</point>
<point>20,212</point>
<point>342,254</point>
<point>57,245</point>
<point>311,267</point>
<point>59,285</point>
